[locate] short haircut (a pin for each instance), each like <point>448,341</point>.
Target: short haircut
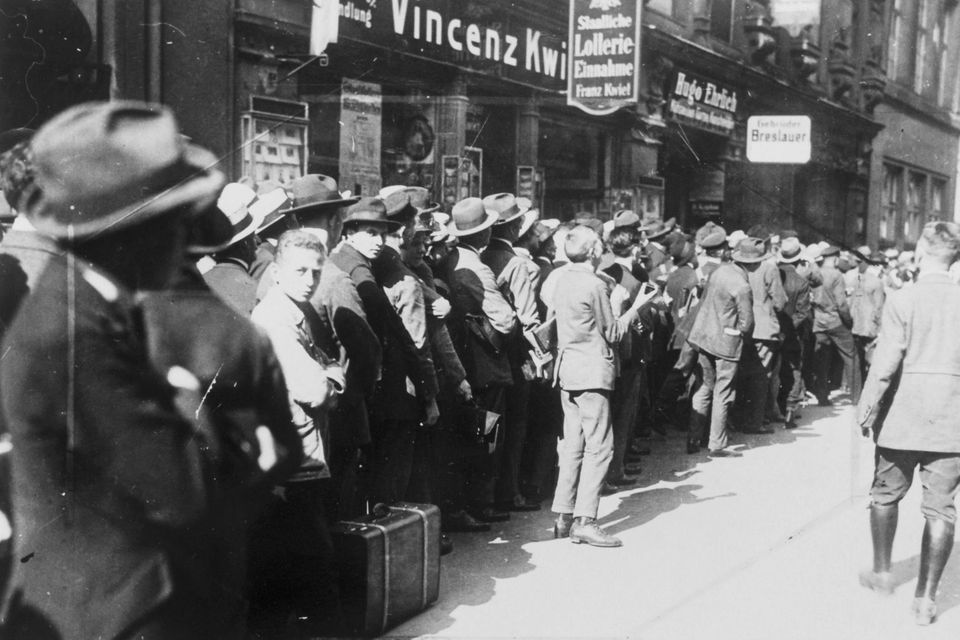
<point>622,241</point>
<point>477,240</point>
<point>580,243</point>
<point>299,239</point>
<point>16,172</point>
<point>941,240</point>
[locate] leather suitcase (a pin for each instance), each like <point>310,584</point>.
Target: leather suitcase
<point>389,564</point>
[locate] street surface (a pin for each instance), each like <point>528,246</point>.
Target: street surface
<point>759,547</point>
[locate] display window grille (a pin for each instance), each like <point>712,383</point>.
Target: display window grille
<point>274,139</point>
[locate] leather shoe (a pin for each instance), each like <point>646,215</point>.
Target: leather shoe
<point>632,469</point>
<point>489,514</point>
<point>587,530</point>
<point>924,611</point>
<point>446,544</point>
<point>693,447</point>
<point>519,503</point>
<point>463,522</point>
<point>561,527</point>
<point>879,582</point>
<point>789,421</point>
<point>723,453</point>
<point>621,482</point>
<point>824,402</point>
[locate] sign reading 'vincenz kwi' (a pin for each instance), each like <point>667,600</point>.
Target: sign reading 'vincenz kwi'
<point>604,39</point>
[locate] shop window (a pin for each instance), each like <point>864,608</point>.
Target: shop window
<point>922,46</point>
<point>938,189</point>
<point>409,140</point>
<point>797,16</point>
<point>914,216</point>
<point>892,199</point>
<point>721,20</point>
<point>274,135</point>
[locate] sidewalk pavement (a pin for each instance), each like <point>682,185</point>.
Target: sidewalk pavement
<point>763,546</point>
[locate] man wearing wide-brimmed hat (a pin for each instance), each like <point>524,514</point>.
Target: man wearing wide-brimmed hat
<point>518,281</point>
<point>317,203</point>
<point>654,253</point>
<point>396,408</point>
<point>831,328</point>
<point>481,324</point>
<point>724,317</point>
<point>230,278</point>
<point>111,470</point>
<point>796,320</point>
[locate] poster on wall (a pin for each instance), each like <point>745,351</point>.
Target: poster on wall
<point>605,55</point>
<point>450,188</point>
<point>471,173</point>
<point>360,124</point>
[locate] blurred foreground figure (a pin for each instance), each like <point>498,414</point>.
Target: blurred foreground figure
<point>911,401</point>
<point>113,458</point>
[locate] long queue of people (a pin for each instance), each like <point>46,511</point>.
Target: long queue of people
<point>198,379</point>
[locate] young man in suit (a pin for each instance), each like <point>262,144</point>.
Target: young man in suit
<point>724,317</point>
<point>915,381</point>
<point>588,334</point>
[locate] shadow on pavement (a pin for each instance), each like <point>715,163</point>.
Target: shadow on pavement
<point>948,596</point>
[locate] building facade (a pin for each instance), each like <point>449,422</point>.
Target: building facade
<point>468,98</point>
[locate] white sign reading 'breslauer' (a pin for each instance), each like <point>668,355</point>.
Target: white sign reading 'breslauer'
<point>778,139</point>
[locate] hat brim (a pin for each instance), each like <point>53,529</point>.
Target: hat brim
<point>326,204</point>
<point>511,218</point>
<point>785,260</point>
<point>389,225</point>
<point>528,221</point>
<point>491,220</point>
<point>739,257</point>
<point>200,190</point>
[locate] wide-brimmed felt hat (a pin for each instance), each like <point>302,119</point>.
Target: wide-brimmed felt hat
<point>101,167</point>
<point>683,252</point>
<point>711,236</point>
<point>790,250</point>
<point>397,197</point>
<point>750,250</point>
<point>369,210</point>
<point>505,205</point>
<point>658,229</point>
<point>315,191</point>
<point>626,218</point>
<point>830,250</point>
<point>470,216</point>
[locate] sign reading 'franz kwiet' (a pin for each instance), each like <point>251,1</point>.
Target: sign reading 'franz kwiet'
<point>475,35</point>
<point>604,36</point>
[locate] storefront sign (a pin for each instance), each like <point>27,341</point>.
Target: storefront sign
<point>703,103</point>
<point>605,58</point>
<point>470,34</point>
<point>360,119</point>
<point>778,139</point>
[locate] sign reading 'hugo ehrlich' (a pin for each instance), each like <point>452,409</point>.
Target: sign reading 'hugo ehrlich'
<point>604,40</point>
<point>702,103</point>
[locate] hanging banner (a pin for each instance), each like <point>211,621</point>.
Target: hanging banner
<point>360,134</point>
<point>604,37</point>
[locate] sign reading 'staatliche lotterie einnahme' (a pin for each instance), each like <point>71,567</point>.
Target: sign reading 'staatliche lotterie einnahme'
<point>604,54</point>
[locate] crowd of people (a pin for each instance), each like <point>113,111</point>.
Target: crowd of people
<point>198,379</point>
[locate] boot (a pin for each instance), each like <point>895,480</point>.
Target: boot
<point>934,551</point>
<point>883,527</point>
<point>561,528</point>
<point>587,530</point>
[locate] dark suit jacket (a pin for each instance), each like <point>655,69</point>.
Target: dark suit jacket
<point>725,314</point>
<point>23,256</point>
<point>108,485</point>
<point>796,315</point>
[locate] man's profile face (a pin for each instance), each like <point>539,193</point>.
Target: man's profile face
<point>298,272</point>
<point>367,238</point>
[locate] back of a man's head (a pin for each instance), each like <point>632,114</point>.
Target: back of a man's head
<point>622,241</point>
<point>580,244</point>
<point>16,172</point>
<point>299,239</point>
<point>940,243</point>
